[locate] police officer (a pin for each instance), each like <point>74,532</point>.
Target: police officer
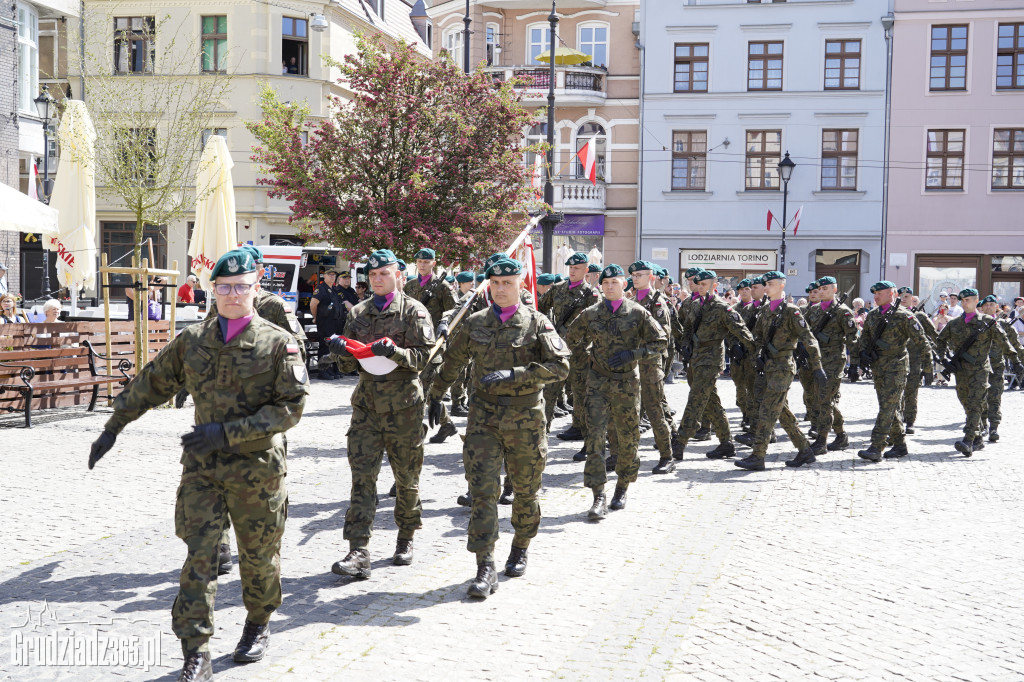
<point>249,385</point>
<point>513,351</point>
<point>327,309</point>
<point>994,397</point>
<point>615,335</point>
<point>837,334</point>
<point>387,411</point>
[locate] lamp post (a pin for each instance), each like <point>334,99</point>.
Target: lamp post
<point>550,220</point>
<point>465,40</point>
<point>786,167</point>
<point>887,23</point>
<point>43,102</point>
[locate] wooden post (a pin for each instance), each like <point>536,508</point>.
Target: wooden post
<point>174,305</point>
<point>105,280</point>
<point>142,343</point>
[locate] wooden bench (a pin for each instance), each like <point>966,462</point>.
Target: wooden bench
<point>45,366</point>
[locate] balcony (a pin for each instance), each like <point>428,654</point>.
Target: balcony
<point>574,85</point>
<point>573,196</point>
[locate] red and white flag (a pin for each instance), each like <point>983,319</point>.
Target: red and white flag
<point>588,157</point>
<point>770,217</point>
<point>33,182</point>
<point>796,219</point>
<point>525,255</point>
<point>537,182</point>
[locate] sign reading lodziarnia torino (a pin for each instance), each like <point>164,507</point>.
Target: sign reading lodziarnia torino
<point>727,259</point>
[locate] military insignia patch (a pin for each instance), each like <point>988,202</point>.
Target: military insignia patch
<point>850,323</point>
<point>232,265</point>
<point>292,348</point>
<point>557,343</point>
<point>299,372</point>
<point>548,327</point>
<point>803,322</point>
<point>421,314</point>
<point>428,332</point>
<point>373,262</point>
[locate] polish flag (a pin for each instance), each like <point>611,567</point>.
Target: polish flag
<point>33,182</point>
<point>537,182</point>
<point>796,219</point>
<point>588,157</point>
<point>525,255</point>
<point>770,216</point>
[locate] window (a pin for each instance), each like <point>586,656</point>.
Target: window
<point>538,42</point>
<point>1008,158</point>
<point>209,132</point>
<point>691,69</point>
<point>843,265</point>
<point>764,152</point>
<point>134,44</point>
<point>377,6</point>
<point>294,46</point>
<point>453,44</point>
<point>842,64</point>
<point>689,159</point>
<point>764,65</point>
<point>1010,57</point>
<point>593,40</point>
<point>949,58</point>
<point>945,160</point>
<point>215,44</point>
<point>117,239</point>
<point>491,44</point>
<point>28,60</point>
<point>537,134</point>
<point>839,159</point>
<point>135,155</point>
<point>584,134</point>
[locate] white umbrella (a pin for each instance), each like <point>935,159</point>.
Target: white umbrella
<point>74,197</point>
<point>214,233</point>
<point>22,213</point>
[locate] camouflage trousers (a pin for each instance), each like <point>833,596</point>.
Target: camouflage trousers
<point>806,377</point>
<point>772,391</point>
<point>369,435</point>
<point>824,413</point>
<point>427,377</point>
<point>653,404</point>
<point>613,414</point>
<point>890,381</point>
<point>517,435</point>
<point>743,375</point>
<point>220,488</point>
<point>994,396</point>
<point>971,388</point>
<point>576,384</point>
<point>913,386</point>
<point>703,401</point>
<point>459,388</point>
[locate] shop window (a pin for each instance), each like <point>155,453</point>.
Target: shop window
<point>844,265</point>
<point>294,46</point>
<point>944,274</point>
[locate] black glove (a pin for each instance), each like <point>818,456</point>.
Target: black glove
<point>820,378</point>
<point>853,373</point>
<point>100,447</point>
<point>336,346</point>
<point>623,357</point>
<point>180,398</point>
<point>204,439</point>
<point>385,348</point>
<point>434,413</point>
<point>499,375</point>
<point>737,352</point>
<point>442,329</point>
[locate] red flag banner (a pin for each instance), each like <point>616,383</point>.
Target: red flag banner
<point>526,256</point>
<point>588,157</point>
<point>770,216</point>
<point>796,219</point>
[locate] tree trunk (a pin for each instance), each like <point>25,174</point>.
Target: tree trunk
<point>141,306</point>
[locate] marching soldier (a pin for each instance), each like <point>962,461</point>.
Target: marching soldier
<point>249,385</point>
<point>888,331</point>
<point>836,335</point>
<point>918,363</point>
<point>811,313</point>
<point>713,322</point>
<point>747,373</point>
<point>994,398</point>
<point>777,330</point>
<point>593,273</point>
<point>460,386</point>
<point>687,309</point>
<point>387,411</point>
<point>970,337</point>
<point>513,351</point>
<point>614,335</point>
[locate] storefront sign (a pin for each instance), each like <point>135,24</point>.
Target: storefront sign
<point>580,225</point>
<point>727,259</point>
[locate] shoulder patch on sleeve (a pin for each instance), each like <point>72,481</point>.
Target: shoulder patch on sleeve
<point>299,372</point>
<point>292,348</point>
<point>421,313</point>
<point>548,327</point>
<point>802,321</point>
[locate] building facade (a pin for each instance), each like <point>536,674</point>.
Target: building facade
<point>9,241</point>
<point>956,209</point>
<point>597,100</point>
<point>729,89</point>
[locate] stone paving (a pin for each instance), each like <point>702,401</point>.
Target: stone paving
<point>842,570</point>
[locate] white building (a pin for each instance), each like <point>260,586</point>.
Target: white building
<point>728,89</point>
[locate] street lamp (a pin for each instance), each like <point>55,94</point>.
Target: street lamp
<point>551,219</point>
<point>887,27</point>
<point>786,167</point>
<point>465,40</point>
<point>43,102</point>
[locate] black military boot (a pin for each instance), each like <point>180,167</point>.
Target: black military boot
<point>745,425</point>
<point>506,492</point>
<point>645,425</point>
<point>580,456</point>
<point>773,438</point>
<point>486,581</point>
<point>722,450</point>
<point>571,433</point>
<point>515,566</point>
<point>702,434</point>
<point>872,454</point>
<point>599,509</point>
<point>820,445</point>
<point>609,463</point>
<point>562,405</point>
<point>197,668</point>
<point>459,409</point>
<point>964,448</point>
<point>841,442</point>
<point>750,463</point>
<point>558,412</point>
<point>805,456</point>
<point>896,451</point>
<point>447,429</point>
<point>812,434</point>
<point>393,492</point>
<point>978,444</point>
<point>665,465</point>
<point>253,645</point>
<point>993,433</point>
<point>224,559</point>
<point>403,552</point>
<point>678,447</point>
<point>745,439</point>
<point>356,564</point>
<point>465,500</point>
<point>618,499</point>
<point>909,429</point>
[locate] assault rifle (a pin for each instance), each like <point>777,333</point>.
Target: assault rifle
<point>687,351</point>
<point>761,360</point>
<point>800,354</point>
<point>871,354</point>
<point>952,364</point>
<point>567,317</point>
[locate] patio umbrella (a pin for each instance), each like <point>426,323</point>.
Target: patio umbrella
<point>215,232</point>
<point>74,197</point>
<point>565,56</point>
<point>22,213</point>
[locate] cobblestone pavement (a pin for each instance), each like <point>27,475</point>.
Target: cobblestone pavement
<point>842,570</point>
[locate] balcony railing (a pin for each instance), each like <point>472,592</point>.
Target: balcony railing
<point>583,81</point>
<point>579,195</point>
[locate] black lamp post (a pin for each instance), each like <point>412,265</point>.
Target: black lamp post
<point>465,40</point>
<point>43,102</point>
<point>551,219</point>
<point>786,167</point>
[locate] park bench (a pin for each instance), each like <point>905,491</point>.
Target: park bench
<point>46,366</point>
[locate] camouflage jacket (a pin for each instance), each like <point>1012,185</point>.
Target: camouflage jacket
<point>601,333</point>
<point>562,305</point>
<point>927,325</point>
<point>790,328</point>
<point>272,308</point>
<point>716,321</point>
<point>902,330</point>
<point>656,303</point>
<point>839,333</point>
<point>406,322</point>
<point>437,296</point>
<point>748,312</point>
<point>975,357</point>
<point>996,354</point>
<point>255,385</point>
<point>686,312</point>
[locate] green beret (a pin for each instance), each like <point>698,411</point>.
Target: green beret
<point>811,287</point>
<point>593,267</point>
<point>905,290</point>
<point>969,291</point>
<point>690,272</point>
<point>611,270</point>
<point>705,274</point>
<point>503,268</point>
<point>629,283</point>
<point>882,286</point>
<point>662,272</point>
<point>545,279</point>
<point>450,279</point>
<point>479,278</point>
<point>757,280</point>
<point>989,299</point>
<point>464,276</point>
<point>772,274</point>
<point>402,266</point>
<point>670,279</point>
<point>743,284</point>
<point>827,279</point>
<point>578,258</point>
<point>426,254</point>
<point>257,253</point>
<point>380,258</point>
<point>559,278</point>
<point>493,258</point>
<point>641,265</point>
<point>234,262</point>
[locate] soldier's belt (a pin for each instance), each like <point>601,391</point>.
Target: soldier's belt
<point>822,337</point>
<point>610,374</point>
<point>394,375</point>
<point>255,445</point>
<point>776,352</point>
<point>509,400</point>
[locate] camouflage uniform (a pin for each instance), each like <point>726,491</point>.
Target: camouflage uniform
<point>996,383</point>
<point>742,371</point>
<point>838,335</point>
<point>613,394</point>
<point>387,413</point>
<point>437,298</point>
<point>562,305</point>
<point>256,386</point>
<point>652,376</point>
<point>812,314</point>
<point>506,418</point>
<point>919,363</point>
<point>686,313</point>
<point>272,308</point>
